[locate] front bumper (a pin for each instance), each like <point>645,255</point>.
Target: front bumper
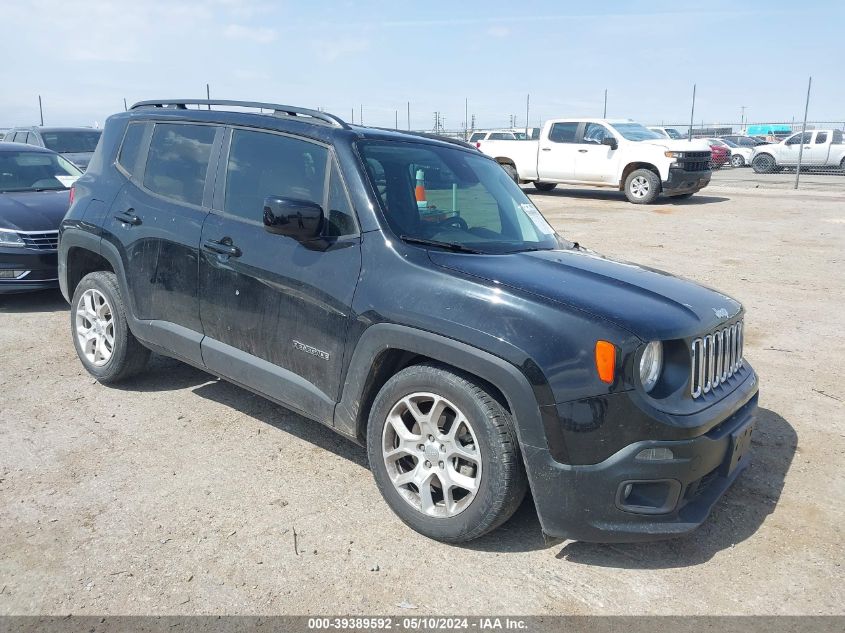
<point>667,497</point>
<point>42,267</point>
<point>682,181</point>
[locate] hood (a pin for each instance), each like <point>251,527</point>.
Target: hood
<point>80,159</point>
<point>33,210</point>
<point>678,144</point>
<point>649,303</point>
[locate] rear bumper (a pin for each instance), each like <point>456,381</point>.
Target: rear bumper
<point>667,498</point>
<point>683,181</point>
<point>39,267</point>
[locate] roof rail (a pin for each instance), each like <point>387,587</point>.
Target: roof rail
<point>278,109</point>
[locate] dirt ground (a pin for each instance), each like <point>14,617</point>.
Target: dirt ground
<point>181,494</point>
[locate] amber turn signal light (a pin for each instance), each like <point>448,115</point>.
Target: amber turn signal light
<point>606,360</point>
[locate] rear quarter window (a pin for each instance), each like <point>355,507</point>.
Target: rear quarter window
<point>130,148</point>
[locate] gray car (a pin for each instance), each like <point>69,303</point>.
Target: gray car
<point>76,144</point>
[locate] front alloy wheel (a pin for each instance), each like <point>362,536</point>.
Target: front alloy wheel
<point>444,453</point>
<point>431,454</point>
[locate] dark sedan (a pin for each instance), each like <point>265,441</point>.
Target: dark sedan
<point>34,197</point>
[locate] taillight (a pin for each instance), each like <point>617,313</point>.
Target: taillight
<point>71,196</point>
<point>478,145</point>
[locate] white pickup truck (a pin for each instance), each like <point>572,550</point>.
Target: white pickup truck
<point>613,153</point>
<point>822,149</point>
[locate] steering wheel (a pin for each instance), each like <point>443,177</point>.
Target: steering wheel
<point>456,222</point>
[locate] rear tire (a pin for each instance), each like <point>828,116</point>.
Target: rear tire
<point>510,170</point>
<point>105,345</point>
<point>763,164</point>
<point>842,166</point>
<point>737,161</point>
<point>544,186</point>
<point>468,477</point>
<point>642,186</point>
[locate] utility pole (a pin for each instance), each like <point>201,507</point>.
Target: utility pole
<point>353,116</point>
<point>208,94</point>
<point>41,110</point>
<point>742,119</point>
<point>527,111</point>
<point>124,104</point>
<point>692,113</point>
<point>803,132</point>
<point>396,122</point>
<point>409,116</point>
<point>466,117</point>
<point>604,112</point>
<point>361,118</point>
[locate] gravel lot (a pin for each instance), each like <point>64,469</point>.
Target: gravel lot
<point>181,494</point>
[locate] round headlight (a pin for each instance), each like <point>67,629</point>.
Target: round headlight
<point>651,362</point>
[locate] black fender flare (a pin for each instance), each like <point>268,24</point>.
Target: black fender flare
<point>71,238</point>
<point>521,396</point>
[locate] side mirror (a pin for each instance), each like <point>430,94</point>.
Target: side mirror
<point>610,142</point>
<point>299,219</point>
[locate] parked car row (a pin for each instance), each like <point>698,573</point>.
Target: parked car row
<point>402,290</point>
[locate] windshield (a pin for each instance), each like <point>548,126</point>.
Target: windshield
<point>635,132</point>
<point>729,142</point>
<point>458,198</point>
<point>672,132</point>
<point>35,171</point>
<point>71,141</point>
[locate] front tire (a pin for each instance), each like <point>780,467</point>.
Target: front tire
<point>737,161</point>
<point>544,186</point>
<point>105,345</point>
<point>642,186</point>
<point>444,454</point>
<point>763,164</point>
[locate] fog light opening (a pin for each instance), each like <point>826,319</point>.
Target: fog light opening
<point>657,496</point>
<point>8,273</point>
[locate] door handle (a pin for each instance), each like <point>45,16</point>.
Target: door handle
<point>128,217</point>
<point>582,151</point>
<point>221,248</point>
<point>546,149</point>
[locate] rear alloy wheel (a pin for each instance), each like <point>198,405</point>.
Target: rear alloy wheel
<point>101,335</point>
<point>737,160</point>
<point>544,186</point>
<point>642,186</point>
<point>444,454</point>
<point>763,164</point>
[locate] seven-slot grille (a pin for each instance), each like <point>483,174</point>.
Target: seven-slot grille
<point>715,358</point>
<point>43,241</point>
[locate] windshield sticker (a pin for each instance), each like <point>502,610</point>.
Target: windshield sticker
<point>537,218</point>
<point>67,181</point>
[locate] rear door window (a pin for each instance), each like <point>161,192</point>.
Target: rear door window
<point>563,132</point>
<point>177,162</point>
<point>821,137</point>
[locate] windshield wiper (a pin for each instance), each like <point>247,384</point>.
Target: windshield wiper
<point>452,246</point>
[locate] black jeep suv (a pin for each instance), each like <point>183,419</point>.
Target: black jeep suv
<point>402,290</point>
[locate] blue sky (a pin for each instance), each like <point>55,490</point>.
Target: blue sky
<point>84,58</point>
